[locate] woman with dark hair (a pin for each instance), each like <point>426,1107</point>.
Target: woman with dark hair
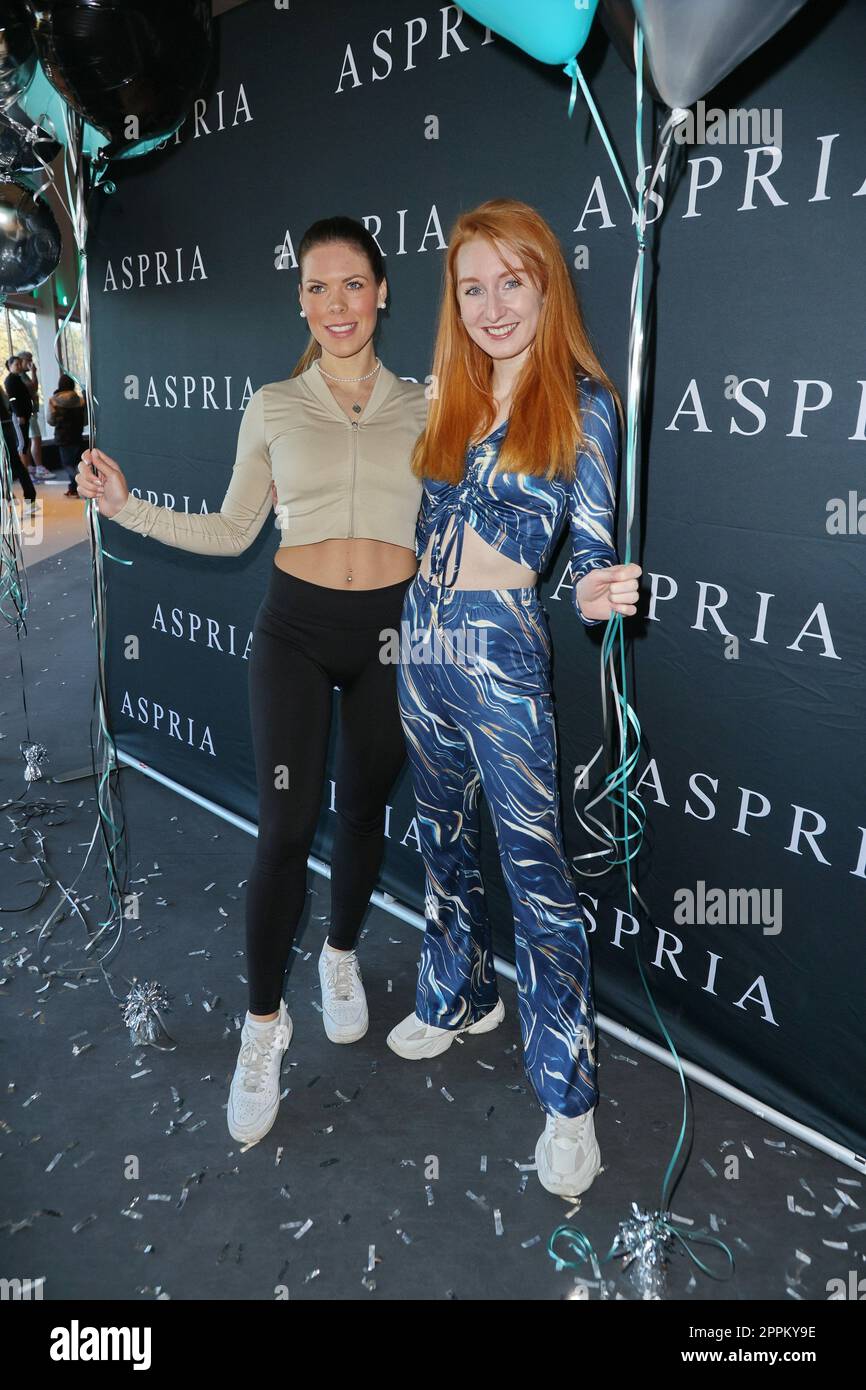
<point>522,435</point>
<point>336,439</point>
<point>66,413</point>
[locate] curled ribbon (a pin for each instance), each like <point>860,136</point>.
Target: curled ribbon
<point>644,1236</point>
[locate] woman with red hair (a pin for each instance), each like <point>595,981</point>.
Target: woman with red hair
<point>521,433</point>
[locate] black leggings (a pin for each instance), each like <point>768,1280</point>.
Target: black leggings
<point>306,639</point>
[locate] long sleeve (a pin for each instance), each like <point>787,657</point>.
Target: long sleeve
<point>244,509</point>
<point>18,394</point>
<point>592,496</point>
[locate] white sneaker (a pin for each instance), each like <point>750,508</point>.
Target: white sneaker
<point>344,1003</point>
<point>254,1097</point>
<point>567,1154</point>
<point>413,1039</point>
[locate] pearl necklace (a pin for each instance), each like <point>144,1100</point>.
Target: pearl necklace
<point>348,378</point>
<point>357,404</point>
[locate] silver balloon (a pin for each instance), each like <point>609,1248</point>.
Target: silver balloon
<point>29,238</point>
<point>693,44</point>
<point>19,154</point>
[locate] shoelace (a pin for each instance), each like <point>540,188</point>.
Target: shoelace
<point>341,976</point>
<point>561,1127</point>
<point>256,1055</point>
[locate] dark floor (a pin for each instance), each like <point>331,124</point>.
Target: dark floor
<point>381,1179</point>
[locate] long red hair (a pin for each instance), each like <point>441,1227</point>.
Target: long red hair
<point>545,431</point>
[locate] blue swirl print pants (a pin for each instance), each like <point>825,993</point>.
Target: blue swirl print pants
<point>473,687</point>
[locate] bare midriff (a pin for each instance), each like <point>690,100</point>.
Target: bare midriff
<point>376,564</point>
<point>481,567</point>
<point>372,564</point>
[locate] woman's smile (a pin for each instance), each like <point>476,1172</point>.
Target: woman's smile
<point>502,331</point>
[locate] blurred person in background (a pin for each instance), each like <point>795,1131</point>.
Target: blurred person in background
<point>30,377</point>
<point>22,406</point>
<point>66,412</point>
<point>11,439</point>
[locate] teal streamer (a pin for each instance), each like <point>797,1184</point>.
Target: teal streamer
<point>107,553</point>
<point>105,754</point>
<point>14,589</point>
<point>13,574</point>
<point>662,1224</point>
<point>572,68</point>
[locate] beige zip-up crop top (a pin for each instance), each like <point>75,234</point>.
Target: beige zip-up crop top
<point>335,477</point>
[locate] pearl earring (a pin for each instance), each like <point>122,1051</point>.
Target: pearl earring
<point>303,315</point>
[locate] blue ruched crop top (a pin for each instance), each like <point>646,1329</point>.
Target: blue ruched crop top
<point>521,515</point>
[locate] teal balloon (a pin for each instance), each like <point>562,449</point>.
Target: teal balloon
<point>553,31</point>
<point>145,146</point>
<point>41,99</point>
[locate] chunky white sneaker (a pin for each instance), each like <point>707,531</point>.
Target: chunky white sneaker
<point>413,1039</point>
<point>254,1097</point>
<point>344,1003</point>
<point>567,1154</point>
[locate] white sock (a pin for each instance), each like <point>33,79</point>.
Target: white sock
<point>259,1023</point>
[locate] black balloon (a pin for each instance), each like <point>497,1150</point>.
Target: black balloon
<point>17,53</point>
<point>116,59</point>
<point>29,238</point>
<point>617,18</point>
<point>18,155</point>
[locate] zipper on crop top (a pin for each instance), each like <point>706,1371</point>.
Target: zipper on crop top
<point>355,426</point>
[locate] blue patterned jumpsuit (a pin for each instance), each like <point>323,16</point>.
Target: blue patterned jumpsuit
<point>473,686</point>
